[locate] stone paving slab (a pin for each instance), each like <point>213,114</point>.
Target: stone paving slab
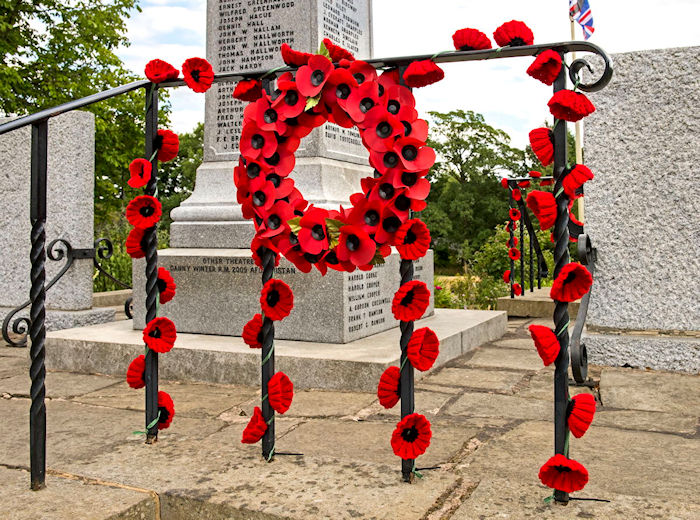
<point>499,357</point>
<point>541,386</point>
<point>494,405</point>
<point>499,380</point>
<point>58,384</point>
<point>647,421</point>
<point>318,403</point>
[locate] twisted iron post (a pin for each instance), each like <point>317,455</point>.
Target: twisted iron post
<point>406,380</point>
<point>268,362</point>
<point>511,234</point>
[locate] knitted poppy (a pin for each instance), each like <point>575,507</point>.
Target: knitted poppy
<point>158,71</point>
<point>546,66</point>
<point>198,74</point>
<point>514,254</point>
<point>252,332</point>
<point>411,437</point>
<point>535,174</point>
<point>134,374</point>
<point>166,285</point>
<point>355,246</point>
<point>135,243</point>
<point>507,276</point>
<point>517,289</point>
<point>514,214</point>
<point>412,240</point>
<point>523,184</point>
<point>410,301</point>
<point>280,392</point>
<point>514,34</point>
<point>422,73</point>
<point>255,429</point>
<point>563,474</point>
<point>143,212</point>
<point>166,410</point>
<point>248,90</point>
<point>580,414</point>
<point>423,349</point>
<point>140,171</point>
<point>517,195</point>
<point>160,335</point>
<point>573,281</point>
<point>575,179</point>
<point>294,58</point>
<point>168,144</point>
<point>542,144</point>
<point>336,52</point>
<point>570,106</point>
<point>388,388</point>
<point>311,77</point>
<point>504,183</point>
<point>546,343</point>
<point>470,40</point>
<point>544,206</point>
<point>276,299</point>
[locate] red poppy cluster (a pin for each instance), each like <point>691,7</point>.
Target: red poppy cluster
<point>197,73</point>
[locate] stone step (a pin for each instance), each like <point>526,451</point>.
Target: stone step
<point>535,304</point>
<point>108,349</point>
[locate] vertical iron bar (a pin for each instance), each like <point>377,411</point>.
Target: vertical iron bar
<point>529,241</point>
<point>561,311</point>
<point>37,313</point>
<point>151,239</point>
<point>522,257</point>
<point>510,242</point>
<point>268,367</point>
<point>406,380</point>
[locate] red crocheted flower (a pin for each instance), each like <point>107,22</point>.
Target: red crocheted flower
<point>410,301</point>
<point>546,66</point>
<point>412,240</point>
<point>310,78</point>
<point>422,73</point>
<point>513,33</point>
<point>168,144</point>
<point>134,374</point>
<point>166,285</point>
<point>580,414</point>
<point>388,388</point>
<point>248,90</point>
<point>423,349</point>
<point>355,246</point>
<point>140,171</point>
<point>546,343</point>
<point>575,179</point>
<point>166,410</point>
<point>506,276</point>
<point>276,300</point>
<point>544,206</point>
<point>337,52</point>
<point>252,332</point>
<point>570,106</point>
<point>198,74</point>
<point>514,214</point>
<point>280,392</point>
<point>158,71</point>
<point>517,195</point>
<point>470,40</point>
<point>255,429</point>
<point>143,212</point>
<point>135,243</point>
<point>294,58</point>
<point>514,254</point>
<point>563,474</point>
<point>517,289</point>
<point>573,282</point>
<point>411,437</point>
<point>160,335</point>
<point>542,144</point>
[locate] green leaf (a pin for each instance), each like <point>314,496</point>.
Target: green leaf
<point>333,228</point>
<point>378,258</point>
<point>294,224</point>
<point>312,102</point>
<point>323,51</point>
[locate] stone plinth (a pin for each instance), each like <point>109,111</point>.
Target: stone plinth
<point>641,212</point>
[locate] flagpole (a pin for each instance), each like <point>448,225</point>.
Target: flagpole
<point>579,128</point>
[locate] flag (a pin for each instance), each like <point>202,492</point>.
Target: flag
<point>580,11</point>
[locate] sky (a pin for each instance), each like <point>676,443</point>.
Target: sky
<point>174,30</point>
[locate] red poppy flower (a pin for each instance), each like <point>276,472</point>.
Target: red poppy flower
<point>423,349</point>
<point>422,73</point>
<point>158,71</point>
<point>546,343</point>
<point>517,195</point>
<point>168,145</point>
<point>381,129</point>
<point>337,52</point>
<point>535,174</point>
<point>140,171</point>
<point>411,437</point>
<point>267,118</point>
<point>280,392</point>
<point>514,214</point>
<point>257,143</point>
<point>573,281</point>
<point>544,206</point>
<point>313,235</point>
<point>166,410</point>
<point>252,332</point>
<point>575,179</point>
<point>198,74</point>
<point>290,103</point>
<point>135,243</point>
<point>410,301</point>
<point>512,242</point>
<point>580,412</point>
<point>504,183</point>
<point>388,388</point>
<point>362,72</point>
<point>360,101</point>
<point>255,429</point>
<point>276,300</point>
<point>257,246</point>
<point>143,212</point>
<point>355,246</point>
<point>470,40</point>
<point>563,474</point>
<point>134,374</point>
<point>517,289</point>
<point>399,101</point>
<point>311,77</point>
<point>546,66</point>
<point>514,254</point>
<point>412,240</point>
<point>542,144</point>
<point>511,226</point>
<point>506,276</point>
<point>275,221</point>
<point>294,58</point>
<point>570,106</point>
<point>166,285</point>
<point>413,154</point>
<point>248,90</point>
<point>524,184</point>
<point>514,34</point>
<point>160,335</point>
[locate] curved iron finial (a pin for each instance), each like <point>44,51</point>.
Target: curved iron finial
<point>104,250</point>
<point>579,356</point>
<point>578,64</point>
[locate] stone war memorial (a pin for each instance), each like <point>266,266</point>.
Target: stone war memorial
<point>290,354</point>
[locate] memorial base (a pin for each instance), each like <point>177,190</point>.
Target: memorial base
<point>59,320</point>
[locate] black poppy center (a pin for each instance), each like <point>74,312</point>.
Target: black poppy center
<point>381,89</point>
<point>292,121</point>
<point>366,105</point>
<point>383,129</point>
<point>408,299</point>
<point>291,98</point>
<point>259,198</point>
<point>409,152</point>
<point>163,414</point>
<point>331,258</point>
<point>517,42</point>
<point>257,142</point>
<point>274,221</point>
<point>274,179</point>
<point>466,48</point>
<point>570,277</point>
<point>407,128</point>
<point>409,178</point>
<point>313,259</point>
<point>195,75</point>
<point>317,77</point>
<point>391,159</point>
<point>353,243</point>
<point>147,211</point>
<point>273,160</point>
<point>562,469</point>
<point>293,239</point>
<point>386,191</point>
<point>372,218</point>
<point>259,337</point>
<point>402,203</point>
<point>391,224</point>
<point>359,77</point>
<point>270,116</point>
<point>155,333</point>
<point>317,232</point>
<point>393,107</point>
<point>377,173</point>
<point>273,297</point>
<point>410,237</point>
<point>253,170</point>
<point>409,434</point>
<point>342,92</point>
<point>161,285</point>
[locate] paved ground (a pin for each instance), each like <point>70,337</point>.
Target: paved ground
<point>491,414</point>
